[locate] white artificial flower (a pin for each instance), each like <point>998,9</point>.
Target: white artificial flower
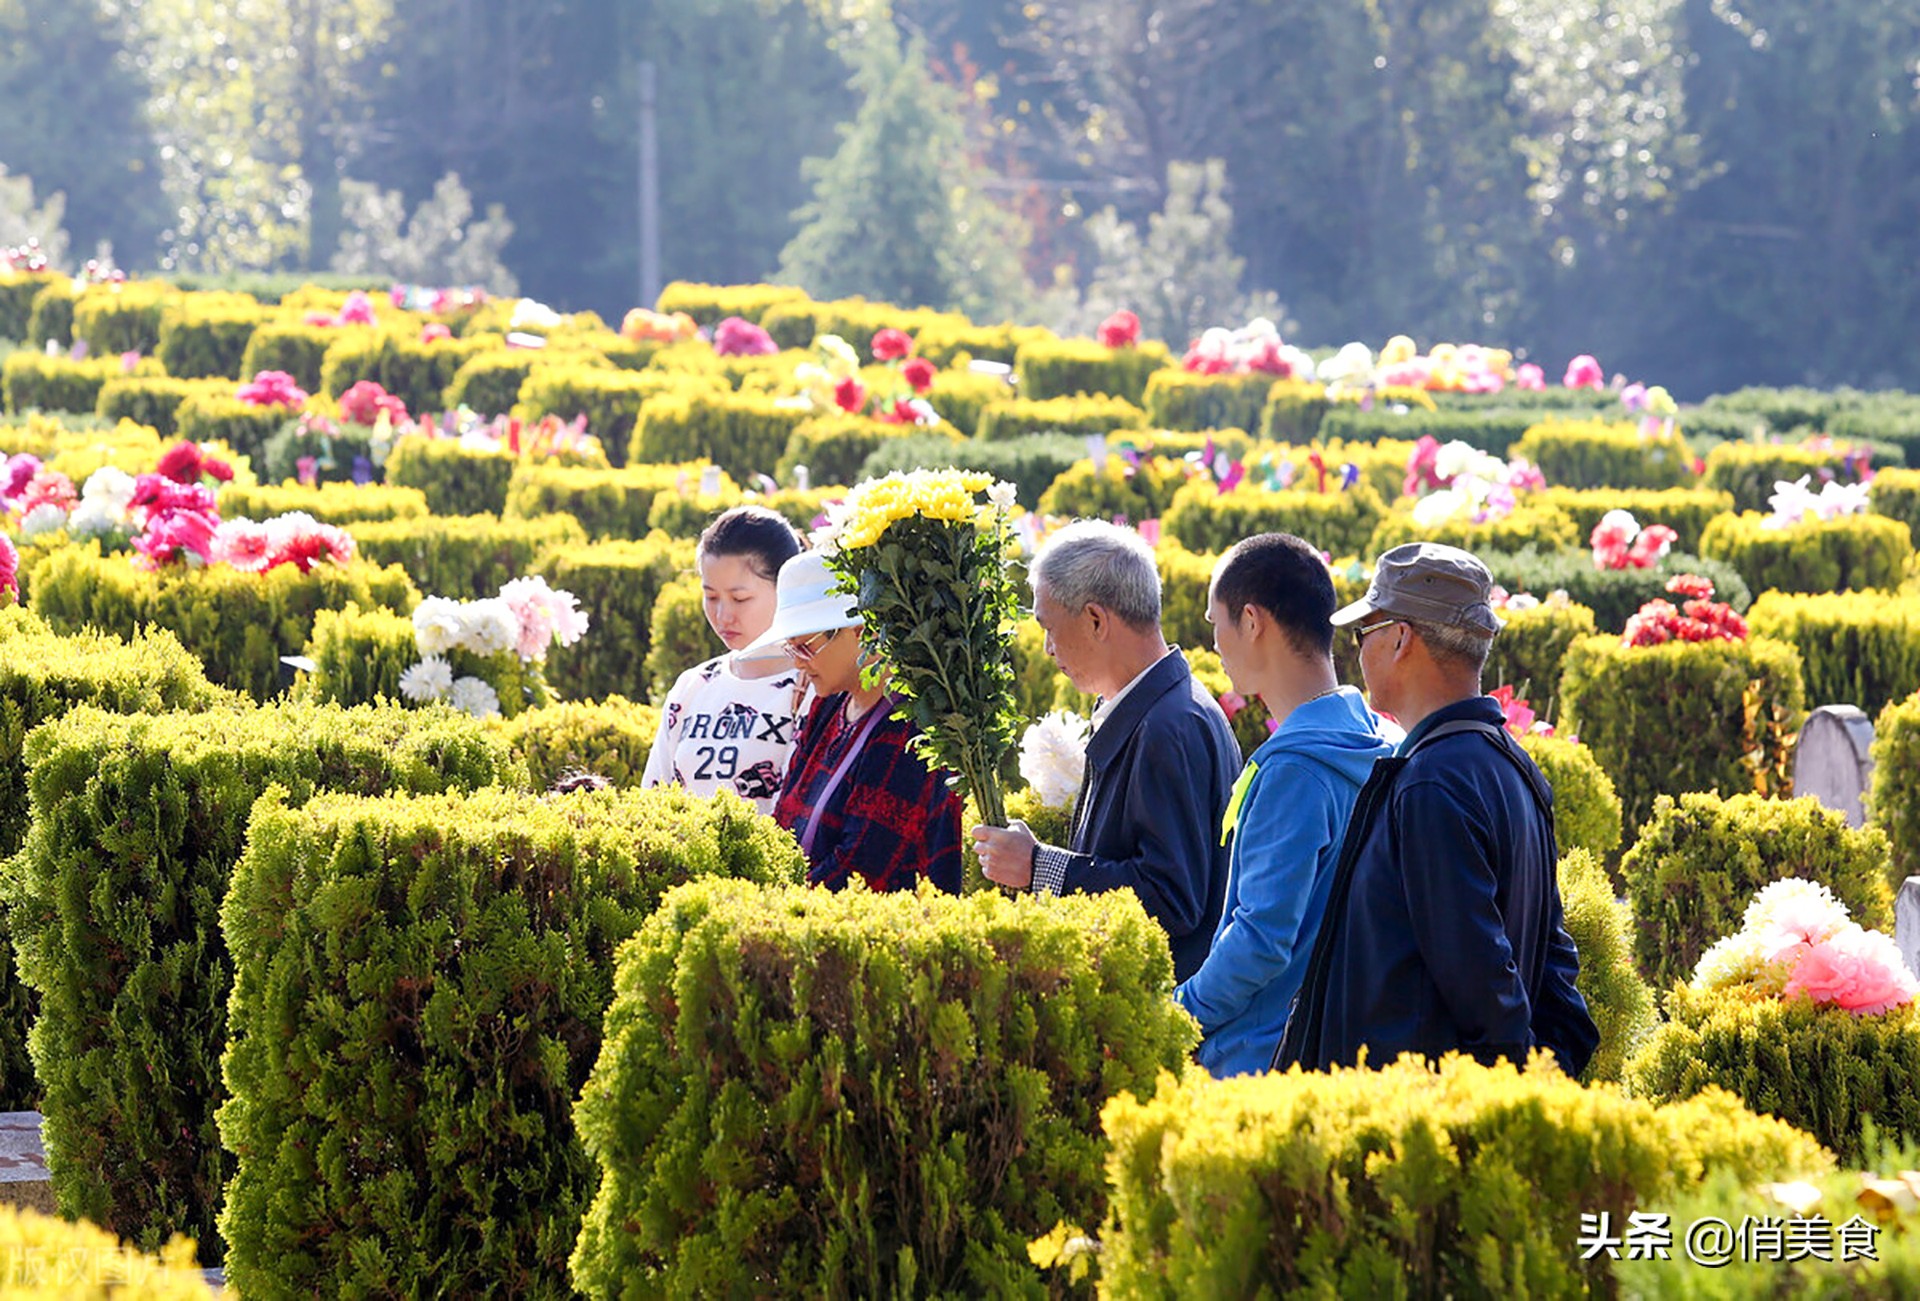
<point>529,314</point>
<point>1623,520</point>
<point>838,355</point>
<point>1806,905</point>
<point>111,485</point>
<point>473,696</point>
<point>1791,502</point>
<point>1455,459</point>
<point>94,517</point>
<point>1837,499</point>
<point>1299,362</point>
<point>488,626</point>
<point>1437,507</point>
<point>1736,960</point>
<point>1352,364</point>
<point>437,625</point>
<point>44,518</point>
<point>1053,757</point>
<point>430,679</point>
<point>1003,494</point>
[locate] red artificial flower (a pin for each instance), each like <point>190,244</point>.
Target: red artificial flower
<point>850,394</point>
<point>1693,585</point>
<point>1654,542</point>
<point>891,345</point>
<point>1120,330</point>
<point>434,331</point>
<point>318,318</point>
<point>363,403</point>
<point>181,463</point>
<point>918,372</point>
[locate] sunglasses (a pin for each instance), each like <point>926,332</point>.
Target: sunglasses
<point>805,648</point>
<point>1360,633</point>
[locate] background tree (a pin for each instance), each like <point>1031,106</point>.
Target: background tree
<point>442,245</point>
<point>21,219</point>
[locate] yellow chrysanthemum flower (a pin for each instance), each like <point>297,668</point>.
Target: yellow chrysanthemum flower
<point>930,494</point>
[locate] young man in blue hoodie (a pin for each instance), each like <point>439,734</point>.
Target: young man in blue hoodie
<point>1270,605</point>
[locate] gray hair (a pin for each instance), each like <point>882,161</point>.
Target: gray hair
<point>1094,563</point>
<point>1453,644</point>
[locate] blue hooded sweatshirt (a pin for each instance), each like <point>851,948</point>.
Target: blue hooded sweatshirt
<point>1289,816</point>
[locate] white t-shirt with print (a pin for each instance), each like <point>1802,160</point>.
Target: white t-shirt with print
<point>720,731</point>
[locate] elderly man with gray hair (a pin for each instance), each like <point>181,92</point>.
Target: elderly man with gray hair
<point>1161,763</point>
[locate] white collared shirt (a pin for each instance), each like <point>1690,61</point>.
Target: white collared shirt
<point>1106,707</point>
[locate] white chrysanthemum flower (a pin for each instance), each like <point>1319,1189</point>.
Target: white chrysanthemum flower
<point>1736,960</point>
<point>489,626</point>
<point>1053,757</point>
<point>437,625</point>
<point>1435,507</point>
<point>430,679</point>
<point>1003,494</point>
<point>111,485</point>
<point>94,517</point>
<point>1805,906</point>
<point>473,696</point>
<point>44,518</point>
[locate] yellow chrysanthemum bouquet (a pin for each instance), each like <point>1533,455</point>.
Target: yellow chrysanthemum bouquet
<point>926,554</point>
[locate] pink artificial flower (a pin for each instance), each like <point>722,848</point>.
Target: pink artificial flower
<point>1529,376</point>
<point>1421,463</point>
<point>734,337</point>
<point>1584,372</point>
<point>850,395</point>
<point>357,310</point>
<point>1120,330</point>
<point>1691,585</point>
<point>1654,542</point>
<point>891,345</point>
<point>272,388</point>
<point>182,463</point>
<point>434,331</point>
<point>546,616</point>
<point>1149,531</point>
<point>9,566</point>
<point>1858,970</point>
<point>319,319</point>
<point>174,536</point>
<point>1231,703</point>
<point>129,360</point>
<point>17,473</point>
<point>1634,397</point>
<point>363,403</point>
<point>307,470</point>
<point>47,488</point>
<point>244,545</point>
<point>918,372</point>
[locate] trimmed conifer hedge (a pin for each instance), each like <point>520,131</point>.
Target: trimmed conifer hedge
<point>455,480</point>
<point>834,447</point>
<point>1586,810</point>
<point>617,584</point>
<point>1531,523</point>
<point>806,1092</point>
<point>1531,650</point>
<point>1599,454</point>
<point>1856,648</point>
<point>1062,368</point>
<point>465,557</point>
<point>1117,490</point>
<point>211,415</point>
<point>290,346</point>
<point>153,400</point>
<point>415,372</point>
<point>419,989</point>
<point>330,503</point>
<point>1338,522</point>
<point>1182,399</point>
<point>115,902</point>
<point>1078,415</point>
<point>34,381</point>
<point>1614,595</point>
<point>742,433</point>
<point>112,319</point>
<point>1749,471</point>
<point>205,335</point>
<point>1848,553</point>
<point>1601,927</point>
<point>1684,510</point>
<point>1894,804</point>
<point>610,738</point>
<point>608,503</point>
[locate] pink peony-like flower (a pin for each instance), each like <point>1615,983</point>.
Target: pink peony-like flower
<point>734,337</point>
<point>9,565</point>
<point>546,616</point>
<point>434,331</point>
<point>272,388</point>
<point>1691,585</point>
<point>1651,546</point>
<point>17,473</point>
<point>1584,372</point>
<point>357,310</point>
<point>1858,970</point>
<point>1530,377</point>
<point>242,544</point>
<point>891,345</point>
<point>918,372</point>
<point>175,536</point>
<point>1519,714</point>
<point>1120,330</point>
<point>363,403</point>
<point>47,488</point>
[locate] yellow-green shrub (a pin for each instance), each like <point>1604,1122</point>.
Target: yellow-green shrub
<point>1684,510</point>
<point>489,382</point>
<point>1185,576</point>
<point>18,289</point>
<point>455,480</point>
<point>945,344</point>
<point>1713,716</point>
<point>608,503</point>
<point>239,624</point>
<point>216,416</point>
<point>1857,648</point>
<point>50,320</point>
<point>1586,810</point>
<point>1118,490</point>
<point>960,396</point>
<point>834,447</point>
<point>685,515</point>
<point>1530,523</point>
<point>34,432</point>
<point>1294,412</point>
<point>1599,454</point>
<point>1182,399</point>
<point>1821,1069</point>
<point>1016,417</point>
<point>1701,859</point>
<point>679,634</point>
<point>1601,927</point>
<point>206,335</point>
<point>795,323</point>
<point>289,345</point>
<point>153,400</point>
<point>617,584</point>
<point>466,557</point>
<point>1896,494</point>
<point>771,1053</point>
<point>1529,652</point>
<point>708,305</point>
<point>415,372</point>
<point>1894,804</point>
<point>1050,825</point>
<point>1060,368</point>
<point>1843,554</point>
<point>359,655</point>
<point>743,433</point>
<point>1462,1181</point>
<point>127,446</point>
<point>1750,470</point>
<point>33,380</point>
<point>1338,522</point>
<point>610,738</point>
<point>330,503</point>
<point>51,1259</point>
<point>125,317</point>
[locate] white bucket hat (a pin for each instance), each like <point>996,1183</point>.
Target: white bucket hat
<point>804,603</point>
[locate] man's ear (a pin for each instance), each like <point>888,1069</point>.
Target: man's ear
<point>1253,620</point>
<point>1100,620</point>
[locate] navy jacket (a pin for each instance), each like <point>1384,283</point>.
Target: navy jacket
<point>1160,770</point>
<point>1444,931</point>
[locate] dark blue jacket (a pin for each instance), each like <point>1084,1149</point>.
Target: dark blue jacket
<point>1443,931</point>
<point>1160,769</point>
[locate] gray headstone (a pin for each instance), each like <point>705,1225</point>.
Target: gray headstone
<point>1906,922</point>
<point>1834,760</point>
<point>23,1162</point>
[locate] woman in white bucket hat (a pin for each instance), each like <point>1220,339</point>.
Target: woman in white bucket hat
<point>857,799</point>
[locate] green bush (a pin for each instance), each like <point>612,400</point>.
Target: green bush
<point>1896,494</point>
<point>238,623</point>
<point>330,503</point>
<point>489,382</point>
<point>960,396</point>
<point>1820,1069</point>
<point>685,515</point>
<point>834,447</point>
<point>608,503</point>
<point>1781,410</point>
<point>290,346</point>
<point>1856,648</point>
<point>333,448</point>
<point>742,433</point>
<point>1894,804</point>
<point>125,446</point>
<point>1614,595</point>
<point>1180,399</point>
<point>1619,1001</point>
<point>610,399</point>
<point>1032,464</point>
<point>1714,716</point>
<point>946,344</point>
<point>18,289</point>
<point>617,584</point>
<point>1016,417</point>
<point>1684,510</point>
<point>1118,490</point>
<point>1843,554</point>
<point>1531,523</point>
<point>118,318</point>
<point>454,479</point>
<point>1529,652</point>
<point>153,400</point>
<point>1586,810</point>
<point>1465,1181</point>
<point>358,658</point>
<point>454,1007</point>
<point>1701,859</point>
<point>710,304</point>
<point>815,1093</point>
<point>1882,419</point>
<point>1061,368</point>
<point>32,380</point>
<point>114,904</point>
<point>417,373</point>
<point>465,557</point>
<point>51,318</point>
<point>1749,470</point>
<point>1599,454</point>
<point>1295,413</point>
<point>679,636</point>
<point>205,336</point>
<point>795,322</point>
<point>1186,578</point>
<point>1490,430</point>
<point>610,738</point>
<point>1339,522</point>
<point>216,416</point>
